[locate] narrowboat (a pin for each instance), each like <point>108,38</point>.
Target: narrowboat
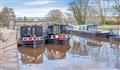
<point>30,35</point>
<point>94,30</point>
<point>57,34</point>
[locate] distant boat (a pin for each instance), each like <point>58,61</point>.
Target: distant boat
<point>93,29</point>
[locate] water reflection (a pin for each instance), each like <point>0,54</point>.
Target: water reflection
<point>35,55</point>
<point>56,51</point>
<point>82,46</point>
<point>31,55</point>
<point>99,53</point>
<point>105,52</point>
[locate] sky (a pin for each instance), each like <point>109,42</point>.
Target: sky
<point>35,8</point>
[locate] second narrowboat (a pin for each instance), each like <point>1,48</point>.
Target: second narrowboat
<point>57,34</point>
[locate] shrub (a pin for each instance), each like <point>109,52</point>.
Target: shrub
<point>108,22</point>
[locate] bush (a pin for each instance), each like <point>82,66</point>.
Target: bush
<point>108,22</point>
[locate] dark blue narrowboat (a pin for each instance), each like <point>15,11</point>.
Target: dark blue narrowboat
<point>31,36</point>
<point>57,34</point>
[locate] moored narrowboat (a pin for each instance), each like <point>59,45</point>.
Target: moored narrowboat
<point>57,34</point>
<point>31,36</point>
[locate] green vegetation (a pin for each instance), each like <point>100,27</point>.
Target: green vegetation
<point>108,22</point>
<point>5,15</point>
<point>55,16</point>
<point>3,26</point>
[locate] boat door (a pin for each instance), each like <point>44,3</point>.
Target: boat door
<point>56,29</point>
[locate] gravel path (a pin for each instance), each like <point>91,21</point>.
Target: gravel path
<point>8,51</point>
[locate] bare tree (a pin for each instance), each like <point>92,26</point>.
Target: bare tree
<point>80,9</point>
<point>55,16</point>
<point>69,18</point>
<point>117,8</point>
<point>101,9</point>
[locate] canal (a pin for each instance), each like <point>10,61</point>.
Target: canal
<point>79,53</point>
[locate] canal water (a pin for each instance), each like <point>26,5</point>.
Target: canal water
<point>79,54</point>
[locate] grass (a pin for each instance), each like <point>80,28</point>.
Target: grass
<point>1,26</point>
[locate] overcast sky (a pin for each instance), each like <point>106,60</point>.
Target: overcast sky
<point>35,8</point>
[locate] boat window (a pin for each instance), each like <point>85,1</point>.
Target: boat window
<point>50,30</point>
<point>56,29</point>
<point>25,31</point>
<point>29,31</point>
<point>63,29</point>
<point>38,30</point>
